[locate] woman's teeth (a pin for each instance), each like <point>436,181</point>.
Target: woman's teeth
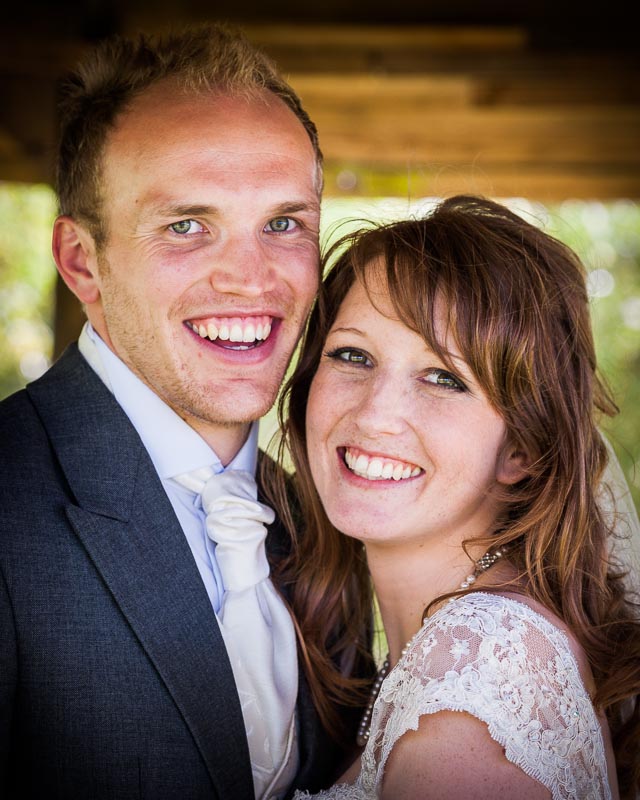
<point>379,468</point>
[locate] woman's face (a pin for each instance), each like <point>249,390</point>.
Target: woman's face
<point>401,448</point>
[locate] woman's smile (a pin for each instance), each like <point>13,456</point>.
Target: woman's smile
<point>376,467</point>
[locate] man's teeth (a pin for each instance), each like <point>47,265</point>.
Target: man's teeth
<point>377,468</point>
<point>237,329</point>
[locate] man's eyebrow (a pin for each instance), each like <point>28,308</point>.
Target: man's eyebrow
<point>185,210</point>
<point>294,208</point>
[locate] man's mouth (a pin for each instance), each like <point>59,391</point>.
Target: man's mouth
<point>378,468</point>
<point>241,333</point>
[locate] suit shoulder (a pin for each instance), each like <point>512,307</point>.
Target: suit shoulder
<point>30,483</point>
<point>19,424</point>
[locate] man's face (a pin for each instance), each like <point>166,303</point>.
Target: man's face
<point>212,212</point>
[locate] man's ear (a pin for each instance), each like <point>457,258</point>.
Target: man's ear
<point>513,465</point>
<point>74,252</point>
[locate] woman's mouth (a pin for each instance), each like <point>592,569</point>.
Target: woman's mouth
<point>378,467</point>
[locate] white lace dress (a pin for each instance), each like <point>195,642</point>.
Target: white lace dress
<point>499,660</point>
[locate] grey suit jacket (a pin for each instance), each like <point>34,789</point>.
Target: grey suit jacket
<point>114,680</point>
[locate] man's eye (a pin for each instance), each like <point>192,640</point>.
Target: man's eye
<point>186,226</point>
<point>349,356</point>
<point>281,225</point>
<point>445,380</point>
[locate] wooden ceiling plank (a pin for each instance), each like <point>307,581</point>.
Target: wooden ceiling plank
<point>451,38</point>
<point>362,88</point>
<point>468,89</point>
<point>501,135</point>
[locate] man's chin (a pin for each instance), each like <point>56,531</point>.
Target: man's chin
<point>231,413</point>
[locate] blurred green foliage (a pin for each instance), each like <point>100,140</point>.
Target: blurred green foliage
<point>606,236</point>
<point>27,283</point>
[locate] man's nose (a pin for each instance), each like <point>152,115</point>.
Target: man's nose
<point>241,266</point>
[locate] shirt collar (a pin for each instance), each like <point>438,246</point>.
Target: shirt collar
<point>174,446</point>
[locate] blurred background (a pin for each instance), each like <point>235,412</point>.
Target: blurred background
<point>533,103</point>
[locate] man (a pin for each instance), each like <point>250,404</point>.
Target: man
<point>189,182</point>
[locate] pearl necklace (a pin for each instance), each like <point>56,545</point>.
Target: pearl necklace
<point>364,729</point>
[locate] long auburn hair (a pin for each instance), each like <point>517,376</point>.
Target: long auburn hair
<point>518,308</point>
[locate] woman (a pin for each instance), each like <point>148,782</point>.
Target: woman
<point>444,413</point>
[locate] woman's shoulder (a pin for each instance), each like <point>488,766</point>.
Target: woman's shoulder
<point>511,667</point>
<point>496,613</point>
<point>497,658</point>
<point>505,663</point>
<point>483,609</point>
<point>482,627</point>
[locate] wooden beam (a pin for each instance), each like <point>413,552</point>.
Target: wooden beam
<point>347,93</point>
<point>599,85</point>
<point>452,105</point>
<point>448,38</point>
<point>502,135</point>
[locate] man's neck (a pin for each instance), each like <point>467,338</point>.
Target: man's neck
<point>226,441</point>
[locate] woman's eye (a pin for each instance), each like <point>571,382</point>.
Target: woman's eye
<point>349,356</point>
<point>281,225</point>
<point>186,226</point>
<point>444,379</point>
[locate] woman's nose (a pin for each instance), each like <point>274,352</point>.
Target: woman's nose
<point>383,406</point>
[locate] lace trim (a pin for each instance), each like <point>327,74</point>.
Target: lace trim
<point>507,665</point>
<point>341,791</point>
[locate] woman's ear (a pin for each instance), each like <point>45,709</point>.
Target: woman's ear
<point>74,252</point>
<point>513,465</point>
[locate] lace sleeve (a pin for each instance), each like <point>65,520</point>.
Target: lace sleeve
<point>500,661</point>
<point>341,791</point>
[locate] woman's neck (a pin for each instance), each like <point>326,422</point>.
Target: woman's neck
<point>407,579</point>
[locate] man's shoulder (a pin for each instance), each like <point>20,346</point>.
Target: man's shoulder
<point>18,418</point>
<point>18,412</point>
<point>25,461</point>
<point>69,368</point>
<point>50,407</point>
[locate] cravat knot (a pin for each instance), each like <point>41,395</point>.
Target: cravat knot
<point>236,522</point>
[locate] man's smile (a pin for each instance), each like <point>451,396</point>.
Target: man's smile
<point>248,331</point>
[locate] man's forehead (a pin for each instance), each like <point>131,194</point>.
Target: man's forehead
<point>232,135</point>
<point>168,112</point>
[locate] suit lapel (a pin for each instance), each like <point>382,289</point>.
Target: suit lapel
<point>127,525</point>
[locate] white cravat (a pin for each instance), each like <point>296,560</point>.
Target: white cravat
<point>255,624</point>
